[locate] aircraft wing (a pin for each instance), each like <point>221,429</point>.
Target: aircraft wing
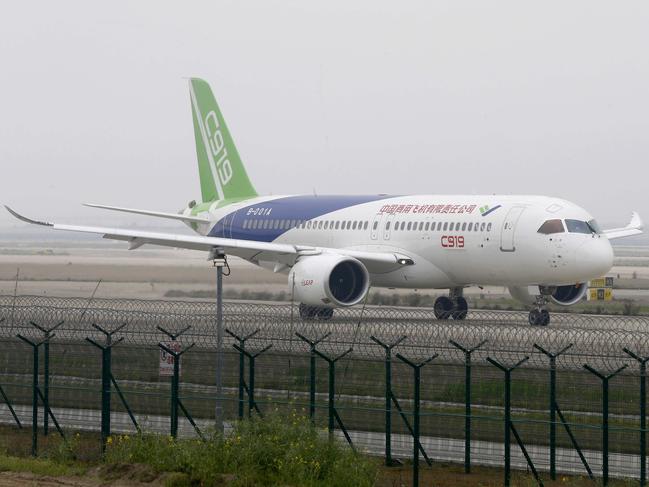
<point>634,227</point>
<point>159,214</point>
<point>285,253</point>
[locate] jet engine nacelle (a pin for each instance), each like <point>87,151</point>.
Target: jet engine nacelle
<point>329,280</point>
<point>561,295</point>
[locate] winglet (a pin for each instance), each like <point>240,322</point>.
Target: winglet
<point>28,220</point>
<point>636,221</point>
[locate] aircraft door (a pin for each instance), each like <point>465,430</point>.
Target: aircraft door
<point>507,232</point>
<point>376,227</point>
<point>387,226</point>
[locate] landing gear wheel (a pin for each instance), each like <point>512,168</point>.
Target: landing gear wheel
<point>545,317</point>
<point>535,317</point>
<point>325,313</point>
<point>308,312</point>
<point>539,317</point>
<point>460,309</point>
<point>443,308</point>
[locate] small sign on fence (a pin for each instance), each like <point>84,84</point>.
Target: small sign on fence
<point>167,360</point>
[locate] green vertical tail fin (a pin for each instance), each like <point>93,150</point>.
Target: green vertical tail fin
<point>220,168</point>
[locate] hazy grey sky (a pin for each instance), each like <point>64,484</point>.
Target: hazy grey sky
<point>344,97</point>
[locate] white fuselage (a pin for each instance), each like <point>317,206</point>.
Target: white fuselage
<point>454,240</point>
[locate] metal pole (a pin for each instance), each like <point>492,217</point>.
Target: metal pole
<point>643,414</point>
<point>332,386</point>
<point>605,380</point>
<point>605,431</point>
<point>508,413</point>
<point>35,403</point>
<point>416,412</point>
<point>174,397</point>
<point>312,386</point>
<point>388,396</point>
<point>388,407</point>
<point>553,418</point>
<point>467,414</point>
<point>553,404</point>
<point>46,384</point>
<point>242,371</point>
<point>643,423</point>
<point>251,385</point>
<point>508,420</point>
<point>415,443</point>
<point>105,395</point>
<point>467,400</point>
<point>218,412</point>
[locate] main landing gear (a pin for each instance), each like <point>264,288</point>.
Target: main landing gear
<point>540,316</point>
<point>308,312</point>
<point>454,306</point>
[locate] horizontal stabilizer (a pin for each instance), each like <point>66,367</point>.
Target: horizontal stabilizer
<point>157,214</point>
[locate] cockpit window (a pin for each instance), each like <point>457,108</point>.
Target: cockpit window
<point>577,226</point>
<point>551,226</point>
<point>594,226</point>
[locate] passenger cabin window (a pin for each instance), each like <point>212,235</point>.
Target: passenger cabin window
<point>375,226</point>
<point>551,226</point>
<point>577,226</point>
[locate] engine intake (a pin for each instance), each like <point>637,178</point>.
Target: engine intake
<point>329,280</point>
<point>561,295</point>
<point>568,295</point>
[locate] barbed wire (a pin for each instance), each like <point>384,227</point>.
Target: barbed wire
<point>597,339</point>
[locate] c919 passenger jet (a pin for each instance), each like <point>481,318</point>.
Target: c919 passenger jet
<point>335,247</point>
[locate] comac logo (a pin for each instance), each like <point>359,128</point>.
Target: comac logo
<point>220,153</point>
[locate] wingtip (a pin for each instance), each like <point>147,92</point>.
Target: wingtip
<point>20,217</point>
<point>636,221</point>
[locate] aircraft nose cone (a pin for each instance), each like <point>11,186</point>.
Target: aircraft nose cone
<point>594,258</point>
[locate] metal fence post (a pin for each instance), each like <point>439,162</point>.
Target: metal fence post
<point>643,414</point>
<point>389,461</point>
<point>175,383</point>
<point>467,400</point>
<point>47,335</point>
<point>332,413</point>
<point>605,379</point>
<point>34,346</point>
<point>251,379</point>
<point>553,405</point>
<point>508,411</point>
<point>312,370</point>
<point>106,365</point>
<point>416,412</point>
<point>242,366</point>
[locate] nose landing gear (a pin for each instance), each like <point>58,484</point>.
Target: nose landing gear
<point>540,316</point>
<point>455,307</point>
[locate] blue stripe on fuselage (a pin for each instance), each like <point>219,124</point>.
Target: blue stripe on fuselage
<point>290,208</point>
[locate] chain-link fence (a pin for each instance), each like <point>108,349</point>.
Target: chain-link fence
<point>396,382</point>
